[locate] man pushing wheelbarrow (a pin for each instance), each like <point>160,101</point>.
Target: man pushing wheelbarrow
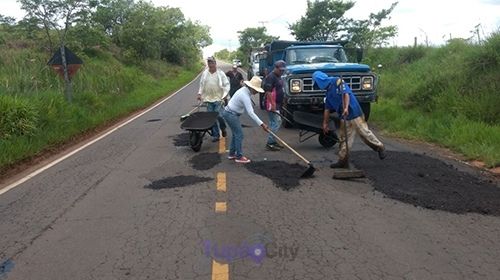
<point>340,98</point>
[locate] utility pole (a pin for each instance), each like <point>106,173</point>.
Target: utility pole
<point>477,32</point>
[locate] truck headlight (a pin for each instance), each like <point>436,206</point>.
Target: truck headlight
<point>295,85</point>
<point>367,83</point>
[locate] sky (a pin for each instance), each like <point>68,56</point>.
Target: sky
<point>431,21</point>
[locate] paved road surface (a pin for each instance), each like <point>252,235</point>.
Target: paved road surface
<point>90,217</point>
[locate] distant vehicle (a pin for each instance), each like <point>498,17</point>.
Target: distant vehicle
<point>237,62</point>
<point>254,68</point>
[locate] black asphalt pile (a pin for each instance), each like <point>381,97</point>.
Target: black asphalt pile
<point>181,140</point>
<point>284,175</point>
<point>205,161</point>
<point>430,183</point>
<point>176,182</point>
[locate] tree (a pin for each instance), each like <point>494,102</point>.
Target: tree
<point>59,15</point>
<point>112,15</point>
<point>253,37</point>
<point>324,20</point>
<point>370,33</point>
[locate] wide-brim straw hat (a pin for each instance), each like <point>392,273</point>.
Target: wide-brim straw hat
<point>255,83</point>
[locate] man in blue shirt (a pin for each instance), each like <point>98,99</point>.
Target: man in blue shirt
<point>339,98</point>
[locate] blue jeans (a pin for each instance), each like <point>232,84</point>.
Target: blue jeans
<point>274,125</point>
<point>216,107</point>
<point>233,121</point>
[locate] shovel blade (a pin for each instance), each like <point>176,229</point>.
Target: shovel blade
<point>309,172</point>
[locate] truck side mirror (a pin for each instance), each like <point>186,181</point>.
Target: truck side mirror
<point>359,55</point>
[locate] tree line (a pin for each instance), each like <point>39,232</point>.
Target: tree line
<point>325,20</point>
<point>138,28</point>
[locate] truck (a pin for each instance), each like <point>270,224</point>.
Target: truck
<point>302,59</point>
<point>254,61</point>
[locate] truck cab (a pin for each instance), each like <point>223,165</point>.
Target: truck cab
<point>303,58</point>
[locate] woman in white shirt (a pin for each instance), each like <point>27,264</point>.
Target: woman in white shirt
<point>238,104</point>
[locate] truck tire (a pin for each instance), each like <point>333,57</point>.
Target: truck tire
<point>366,108</point>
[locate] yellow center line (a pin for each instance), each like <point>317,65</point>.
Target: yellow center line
<point>221,182</point>
<point>222,145</point>
<point>220,207</point>
<point>220,271</point>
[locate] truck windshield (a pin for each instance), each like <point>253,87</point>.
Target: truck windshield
<point>315,55</point>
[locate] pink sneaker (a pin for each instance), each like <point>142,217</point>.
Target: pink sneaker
<point>242,160</point>
<point>231,157</point>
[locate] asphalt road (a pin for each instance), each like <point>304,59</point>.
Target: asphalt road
<point>91,217</point>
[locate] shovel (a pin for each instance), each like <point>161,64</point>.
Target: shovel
<point>185,116</point>
<point>310,169</point>
<point>347,173</point>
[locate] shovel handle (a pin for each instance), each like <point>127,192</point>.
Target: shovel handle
<point>197,107</point>
<point>290,148</point>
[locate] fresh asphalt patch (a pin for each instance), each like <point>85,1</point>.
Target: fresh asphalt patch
<point>205,161</point>
<point>284,175</point>
<point>153,120</point>
<point>176,182</point>
<point>181,140</point>
<point>428,182</point>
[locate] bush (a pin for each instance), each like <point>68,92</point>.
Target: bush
<point>17,117</point>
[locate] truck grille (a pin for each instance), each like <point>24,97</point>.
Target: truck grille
<point>354,83</point>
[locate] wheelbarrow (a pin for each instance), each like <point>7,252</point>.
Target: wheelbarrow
<point>310,125</point>
<point>198,124</point>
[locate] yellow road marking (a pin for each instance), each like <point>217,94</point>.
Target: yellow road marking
<point>220,207</point>
<point>222,145</point>
<point>221,182</point>
<point>220,271</point>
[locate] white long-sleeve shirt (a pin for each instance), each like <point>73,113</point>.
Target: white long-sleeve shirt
<point>213,86</point>
<point>241,102</point>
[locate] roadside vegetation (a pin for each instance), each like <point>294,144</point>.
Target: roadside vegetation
<point>127,66</point>
<point>447,95</point>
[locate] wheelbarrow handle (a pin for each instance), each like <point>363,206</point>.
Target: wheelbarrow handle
<point>290,148</point>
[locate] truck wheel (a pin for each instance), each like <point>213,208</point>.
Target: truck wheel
<point>366,107</point>
<point>328,140</point>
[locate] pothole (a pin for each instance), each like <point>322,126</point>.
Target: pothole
<point>181,140</point>
<point>176,182</point>
<point>430,183</point>
<point>205,161</point>
<point>284,175</point>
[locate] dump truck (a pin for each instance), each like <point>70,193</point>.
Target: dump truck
<point>303,58</point>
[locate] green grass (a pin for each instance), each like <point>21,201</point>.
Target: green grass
<point>104,89</point>
<point>475,140</point>
<point>447,95</point>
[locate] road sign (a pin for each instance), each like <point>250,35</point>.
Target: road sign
<point>72,60</point>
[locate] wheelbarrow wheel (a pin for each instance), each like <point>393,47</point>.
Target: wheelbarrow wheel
<point>328,140</point>
<point>195,140</point>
